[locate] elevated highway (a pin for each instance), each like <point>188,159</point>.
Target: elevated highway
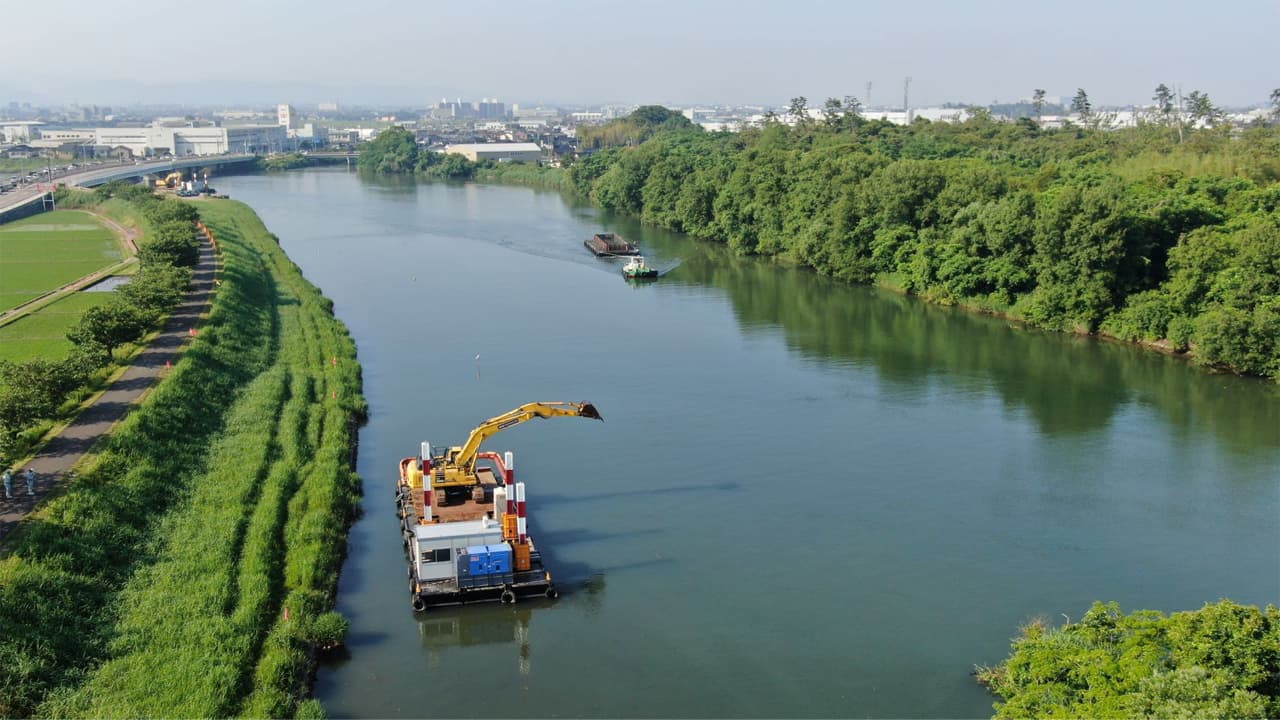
<point>31,198</point>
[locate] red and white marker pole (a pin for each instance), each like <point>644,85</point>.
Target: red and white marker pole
<point>521,528</point>
<point>509,479</point>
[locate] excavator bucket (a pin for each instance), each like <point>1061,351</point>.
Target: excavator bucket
<point>589,411</point>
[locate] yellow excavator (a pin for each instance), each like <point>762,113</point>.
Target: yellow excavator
<point>454,471</point>
<point>173,179</point>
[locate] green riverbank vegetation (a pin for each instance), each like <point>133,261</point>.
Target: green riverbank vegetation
<point>1164,234</point>
<point>36,393</point>
<point>191,571</point>
<point>1219,662</point>
<point>287,161</point>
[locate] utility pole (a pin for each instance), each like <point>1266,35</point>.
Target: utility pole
<point>867,99</point>
<point>1179,118</point>
<point>906,106</point>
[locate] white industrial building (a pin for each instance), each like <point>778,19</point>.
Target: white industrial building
<point>20,131</point>
<point>183,141</point>
<point>67,135</point>
<point>498,152</point>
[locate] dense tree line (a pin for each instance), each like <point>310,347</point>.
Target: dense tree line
<point>1157,234</point>
<point>36,390</point>
<point>1222,661</point>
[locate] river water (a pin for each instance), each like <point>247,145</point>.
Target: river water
<point>806,499</point>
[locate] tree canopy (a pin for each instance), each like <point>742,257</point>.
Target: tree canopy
<point>1222,661</point>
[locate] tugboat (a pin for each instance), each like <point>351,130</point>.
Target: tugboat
<point>635,269</point>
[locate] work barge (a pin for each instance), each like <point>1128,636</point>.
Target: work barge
<point>609,245</point>
<point>477,550</point>
<point>464,520</point>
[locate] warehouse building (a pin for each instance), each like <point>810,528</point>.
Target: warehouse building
<point>184,141</point>
<point>498,152</point>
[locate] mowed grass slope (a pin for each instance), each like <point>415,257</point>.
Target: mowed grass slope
<point>49,250</point>
<point>221,502</point>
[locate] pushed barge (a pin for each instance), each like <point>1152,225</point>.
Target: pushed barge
<point>609,244</point>
<point>464,525</point>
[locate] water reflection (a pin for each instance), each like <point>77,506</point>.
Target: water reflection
<point>441,631</point>
<point>1066,384</point>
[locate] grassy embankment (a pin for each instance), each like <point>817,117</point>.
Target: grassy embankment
<point>157,585</point>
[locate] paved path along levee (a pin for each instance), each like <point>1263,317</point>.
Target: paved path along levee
<point>64,451</point>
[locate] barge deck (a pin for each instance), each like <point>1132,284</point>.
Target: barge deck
<point>468,551</point>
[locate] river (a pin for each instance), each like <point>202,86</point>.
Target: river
<point>807,499</point>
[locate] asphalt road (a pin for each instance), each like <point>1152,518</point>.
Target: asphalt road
<point>63,452</point>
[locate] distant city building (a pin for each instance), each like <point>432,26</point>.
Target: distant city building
<point>490,108</point>
<point>499,152</point>
<point>242,115</point>
<point>286,118</point>
<point>329,107</point>
<point>310,133</point>
<point>21,131</point>
<point>486,109</point>
<point>455,109</point>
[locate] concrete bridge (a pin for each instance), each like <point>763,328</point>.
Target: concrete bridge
<point>333,154</point>
<point>34,197</point>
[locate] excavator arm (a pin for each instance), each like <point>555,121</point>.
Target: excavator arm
<point>464,458</point>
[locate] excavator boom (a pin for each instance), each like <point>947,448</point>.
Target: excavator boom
<point>464,458</point>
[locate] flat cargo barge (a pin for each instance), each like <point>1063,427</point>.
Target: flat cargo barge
<point>608,244</point>
<point>472,550</point>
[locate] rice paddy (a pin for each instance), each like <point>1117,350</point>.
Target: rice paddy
<point>42,253</point>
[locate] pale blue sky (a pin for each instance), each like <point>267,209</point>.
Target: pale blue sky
<point>105,51</point>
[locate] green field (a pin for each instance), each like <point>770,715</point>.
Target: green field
<point>43,334</point>
<point>45,252</point>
